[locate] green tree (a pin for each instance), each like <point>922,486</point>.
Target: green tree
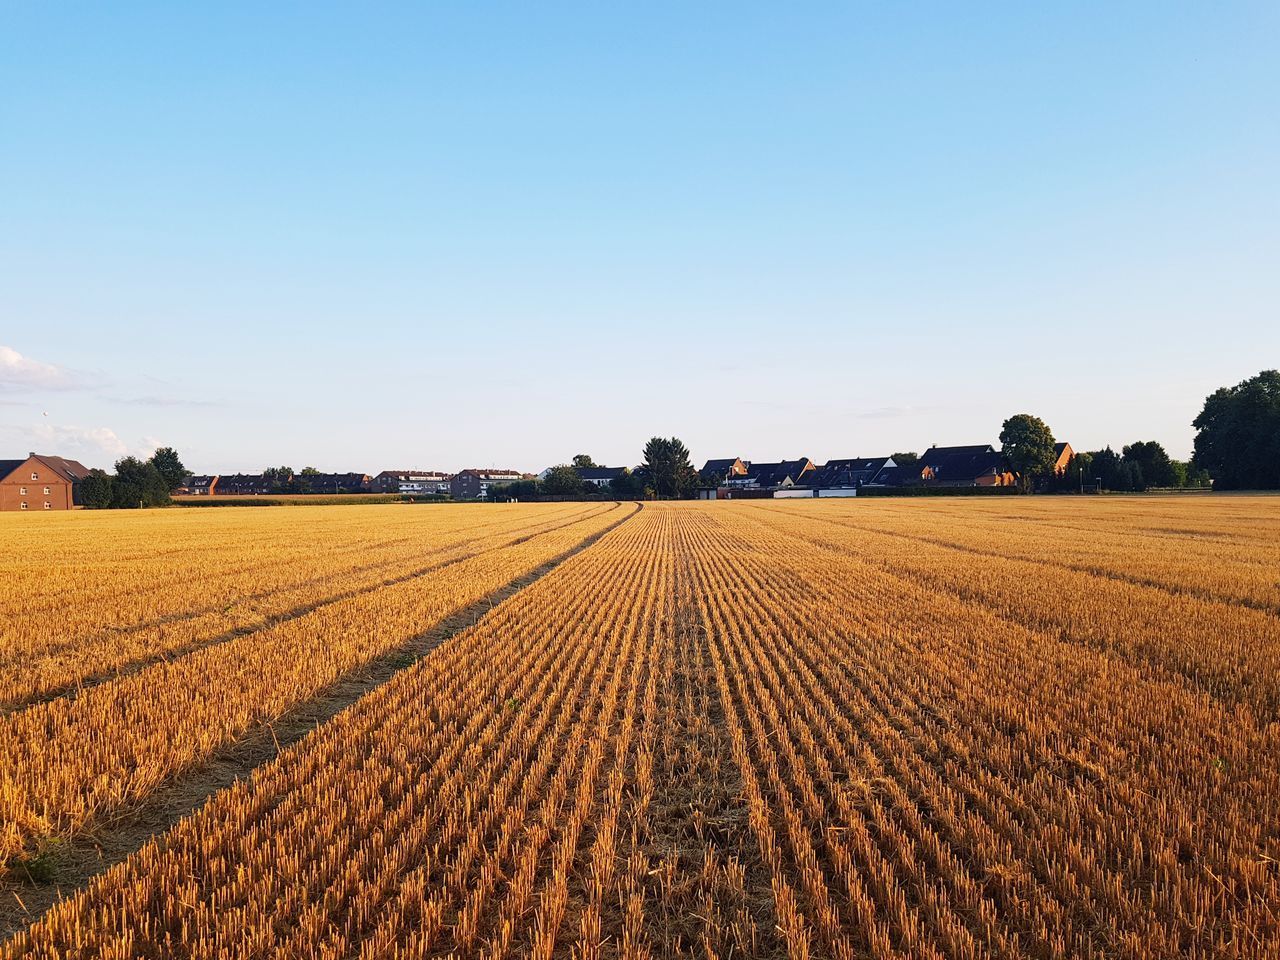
<point>96,489</point>
<point>516,490</point>
<point>1027,444</point>
<point>1150,458</point>
<point>304,482</point>
<point>626,486</point>
<point>1195,476</point>
<point>583,460</point>
<point>562,481</point>
<point>907,459</point>
<point>1108,470</point>
<point>1238,438</point>
<point>1080,472</point>
<point>281,479</point>
<point>1077,474</point>
<point>1114,473</point>
<point>167,461</point>
<point>138,484</point>
<point>666,468</point>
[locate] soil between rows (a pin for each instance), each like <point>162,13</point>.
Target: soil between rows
<point>69,867</point>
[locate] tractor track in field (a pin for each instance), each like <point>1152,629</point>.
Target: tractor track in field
<point>137,665</point>
<point>70,866</point>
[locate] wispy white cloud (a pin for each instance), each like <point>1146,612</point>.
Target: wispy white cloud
<point>153,400</point>
<point>890,413</point>
<point>149,446</point>
<point>19,372</point>
<point>94,446</point>
<point>80,441</point>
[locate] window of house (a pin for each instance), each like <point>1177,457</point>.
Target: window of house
<point>47,491</point>
<point>24,505</point>
<point>48,505</point>
<point>22,491</point>
<point>34,475</point>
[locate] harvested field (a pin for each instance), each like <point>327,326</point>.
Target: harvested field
<point>1024,727</point>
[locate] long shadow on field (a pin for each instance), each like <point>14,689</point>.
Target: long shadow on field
<point>73,690</point>
<point>33,887</point>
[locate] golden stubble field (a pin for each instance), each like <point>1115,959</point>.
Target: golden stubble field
<point>1013,727</point>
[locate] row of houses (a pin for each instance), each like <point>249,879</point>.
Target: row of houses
<point>975,465</point>
<point>45,482</point>
<point>470,484</point>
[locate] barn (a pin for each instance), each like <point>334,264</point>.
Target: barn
<point>40,482</point>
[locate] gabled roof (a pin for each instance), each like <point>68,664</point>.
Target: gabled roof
<point>970,450</point>
<point>331,476</point>
<point>599,473</point>
<point>71,471</point>
<point>964,466</point>
<point>777,474</point>
<point>898,476</point>
<point>491,474</point>
<point>412,475</point>
<point>853,472</point>
<point>229,480</point>
<point>722,465</point>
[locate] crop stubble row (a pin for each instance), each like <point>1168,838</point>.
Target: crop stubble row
<point>741,731</point>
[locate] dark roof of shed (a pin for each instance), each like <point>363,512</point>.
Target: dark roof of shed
<point>965,466</point>
<point>969,450</point>
<point>8,466</point>
<point>599,473</point>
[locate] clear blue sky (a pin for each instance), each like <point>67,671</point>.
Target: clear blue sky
<point>376,236</point>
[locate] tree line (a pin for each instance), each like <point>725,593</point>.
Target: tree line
<point>1028,447</point>
<point>1237,447</point>
<point>135,483</point>
<point>284,480</point>
<point>666,473</point>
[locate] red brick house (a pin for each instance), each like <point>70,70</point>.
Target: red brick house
<point>40,482</point>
